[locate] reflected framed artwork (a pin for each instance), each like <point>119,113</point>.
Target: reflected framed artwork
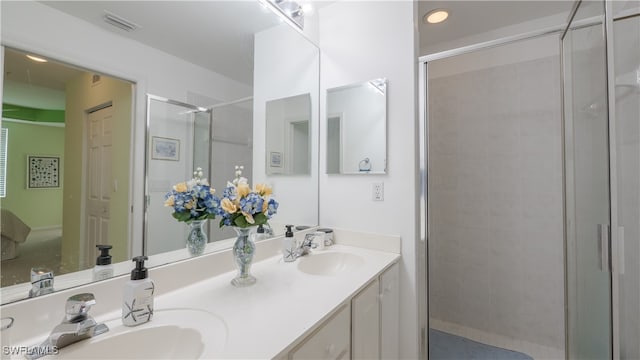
<point>165,148</point>
<point>44,172</point>
<point>276,159</point>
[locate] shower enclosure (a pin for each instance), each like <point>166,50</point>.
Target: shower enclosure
<point>231,145</point>
<point>531,169</point>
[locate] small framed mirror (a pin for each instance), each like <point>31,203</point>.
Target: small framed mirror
<point>288,149</point>
<point>357,128</point>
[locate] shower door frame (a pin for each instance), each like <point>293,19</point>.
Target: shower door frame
<point>423,130</point>
<point>423,151</point>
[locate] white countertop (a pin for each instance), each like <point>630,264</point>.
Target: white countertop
<point>262,321</point>
<point>282,307</point>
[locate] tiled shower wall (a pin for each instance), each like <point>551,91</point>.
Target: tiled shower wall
<point>495,200</point>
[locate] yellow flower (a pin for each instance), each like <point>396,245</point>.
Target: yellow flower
<point>170,201</point>
<point>228,206</point>
<point>189,205</point>
<point>212,191</point>
<point>249,218</point>
<point>263,189</point>
<point>265,206</point>
<point>243,190</point>
<point>181,187</point>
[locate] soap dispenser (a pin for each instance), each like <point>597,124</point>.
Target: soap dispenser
<point>260,234</point>
<point>137,303</point>
<point>103,269</point>
<point>289,245</point>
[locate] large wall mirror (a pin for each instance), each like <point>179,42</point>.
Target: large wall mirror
<point>228,58</point>
<point>357,128</point>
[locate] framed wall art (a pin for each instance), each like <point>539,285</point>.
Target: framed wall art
<point>43,172</point>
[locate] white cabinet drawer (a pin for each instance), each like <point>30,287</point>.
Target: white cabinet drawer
<point>331,341</point>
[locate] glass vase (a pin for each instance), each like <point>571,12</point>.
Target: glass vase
<point>197,238</point>
<point>243,250</point>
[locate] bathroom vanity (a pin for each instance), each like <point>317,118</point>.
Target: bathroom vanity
<point>336,303</point>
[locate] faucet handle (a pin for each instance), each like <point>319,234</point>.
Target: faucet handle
<point>78,306</point>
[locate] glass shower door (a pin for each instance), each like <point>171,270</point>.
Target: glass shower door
<point>587,188</point>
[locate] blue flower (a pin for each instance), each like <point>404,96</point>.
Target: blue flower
<point>251,204</point>
<point>272,207</point>
<point>229,192</point>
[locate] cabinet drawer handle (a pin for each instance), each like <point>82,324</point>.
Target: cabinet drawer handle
<point>331,349</point>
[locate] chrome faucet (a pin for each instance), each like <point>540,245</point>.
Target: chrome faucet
<point>77,325</point>
<point>305,246</point>
<point>41,281</point>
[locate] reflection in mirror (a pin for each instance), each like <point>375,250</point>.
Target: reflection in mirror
<point>248,60</point>
<point>288,148</point>
<point>63,193</point>
<point>357,128</point>
<point>177,143</point>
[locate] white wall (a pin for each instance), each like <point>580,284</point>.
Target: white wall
<point>285,65</point>
<point>36,27</point>
<point>495,195</point>
<point>362,41</point>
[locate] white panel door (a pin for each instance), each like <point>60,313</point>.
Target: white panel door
<point>98,175</point>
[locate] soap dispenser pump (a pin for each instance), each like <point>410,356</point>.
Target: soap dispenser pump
<point>103,269</point>
<point>137,304</point>
<point>289,245</point>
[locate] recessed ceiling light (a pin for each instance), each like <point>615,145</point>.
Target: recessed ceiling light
<point>436,16</point>
<point>36,59</point>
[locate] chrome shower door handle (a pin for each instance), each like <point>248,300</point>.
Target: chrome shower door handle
<point>604,246</point>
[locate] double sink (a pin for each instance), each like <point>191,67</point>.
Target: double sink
<point>190,333</point>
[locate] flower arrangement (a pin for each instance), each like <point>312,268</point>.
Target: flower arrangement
<point>193,199</point>
<point>243,207</point>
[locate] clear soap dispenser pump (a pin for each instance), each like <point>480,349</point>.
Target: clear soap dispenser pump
<point>137,303</point>
<point>289,245</point>
<point>104,268</point>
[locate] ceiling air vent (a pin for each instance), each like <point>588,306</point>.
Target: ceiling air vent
<point>120,22</point>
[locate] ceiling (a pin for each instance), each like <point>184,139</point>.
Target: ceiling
<point>198,30</point>
<point>208,33</point>
<point>472,17</point>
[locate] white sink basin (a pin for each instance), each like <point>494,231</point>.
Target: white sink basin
<point>171,334</point>
<point>329,263</point>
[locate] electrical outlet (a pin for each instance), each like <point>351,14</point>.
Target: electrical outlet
<point>378,191</point>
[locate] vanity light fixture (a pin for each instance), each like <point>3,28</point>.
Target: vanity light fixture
<point>307,9</point>
<point>288,10</point>
<point>36,59</point>
<point>435,16</point>
<point>379,85</point>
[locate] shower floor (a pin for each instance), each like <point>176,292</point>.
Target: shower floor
<point>445,346</point>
